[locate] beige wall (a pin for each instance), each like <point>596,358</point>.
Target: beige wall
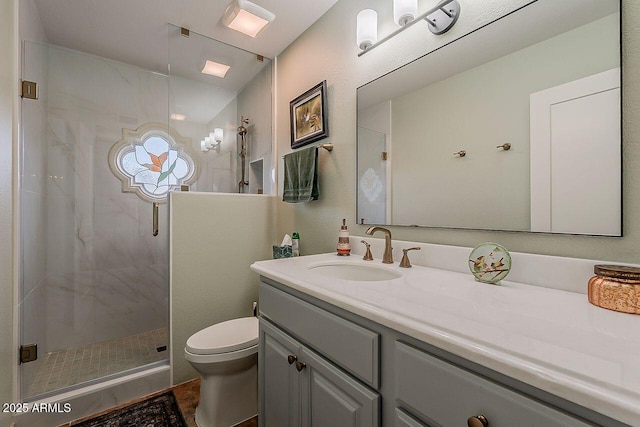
<point>8,81</point>
<point>214,240</point>
<point>328,51</point>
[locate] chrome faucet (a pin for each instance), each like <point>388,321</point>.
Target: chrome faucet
<point>387,258</point>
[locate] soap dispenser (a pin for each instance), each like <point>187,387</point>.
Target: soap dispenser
<point>344,247</point>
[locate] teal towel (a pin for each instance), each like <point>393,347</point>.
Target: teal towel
<point>301,176</point>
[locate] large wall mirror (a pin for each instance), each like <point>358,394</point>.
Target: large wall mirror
<point>515,126</point>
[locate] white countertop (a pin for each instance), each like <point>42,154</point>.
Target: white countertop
<point>552,339</point>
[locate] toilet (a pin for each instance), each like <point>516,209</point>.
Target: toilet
<point>226,357</point>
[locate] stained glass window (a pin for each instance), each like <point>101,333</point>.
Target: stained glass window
<point>151,163</point>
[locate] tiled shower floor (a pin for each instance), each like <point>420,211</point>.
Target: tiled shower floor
<point>69,367</point>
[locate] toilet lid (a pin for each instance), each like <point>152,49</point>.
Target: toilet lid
<point>225,337</point>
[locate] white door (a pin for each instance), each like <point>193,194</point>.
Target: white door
<point>576,157</point>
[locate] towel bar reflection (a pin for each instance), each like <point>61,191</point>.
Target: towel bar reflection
<point>328,147</point>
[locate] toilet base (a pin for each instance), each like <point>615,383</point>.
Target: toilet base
<point>229,398</point>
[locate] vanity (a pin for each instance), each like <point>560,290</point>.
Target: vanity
<point>359,343</point>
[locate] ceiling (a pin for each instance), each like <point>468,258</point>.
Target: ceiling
<point>135,31</point>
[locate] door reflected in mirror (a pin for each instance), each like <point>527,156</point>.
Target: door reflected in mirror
<point>545,80</point>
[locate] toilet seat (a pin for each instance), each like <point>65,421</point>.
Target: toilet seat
<point>221,357</point>
<point>225,337</point>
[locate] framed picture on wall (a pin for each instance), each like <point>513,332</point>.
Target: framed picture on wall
<point>309,116</point>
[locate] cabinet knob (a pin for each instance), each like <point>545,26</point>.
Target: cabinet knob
<point>300,366</point>
<point>478,421</point>
<point>291,358</point>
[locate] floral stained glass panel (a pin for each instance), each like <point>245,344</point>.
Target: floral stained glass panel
<point>155,166</point>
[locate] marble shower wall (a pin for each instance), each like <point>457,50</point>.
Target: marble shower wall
<point>107,274</point>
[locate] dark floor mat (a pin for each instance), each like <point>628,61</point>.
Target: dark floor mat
<point>157,411</point>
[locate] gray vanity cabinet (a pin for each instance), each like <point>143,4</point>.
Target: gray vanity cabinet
<point>322,366</point>
<point>299,388</point>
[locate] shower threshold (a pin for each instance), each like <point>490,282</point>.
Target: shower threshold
<point>70,368</point>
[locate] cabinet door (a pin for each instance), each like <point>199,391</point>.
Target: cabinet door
<point>278,380</point>
<point>332,398</point>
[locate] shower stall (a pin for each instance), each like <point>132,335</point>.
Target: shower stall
<point>101,146</point>
<point>94,278</point>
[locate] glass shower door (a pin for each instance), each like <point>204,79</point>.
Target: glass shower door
<point>94,283</point>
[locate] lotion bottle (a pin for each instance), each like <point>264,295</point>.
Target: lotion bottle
<point>344,247</point>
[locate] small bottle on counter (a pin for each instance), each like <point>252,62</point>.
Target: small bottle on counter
<point>295,244</point>
<point>344,247</point>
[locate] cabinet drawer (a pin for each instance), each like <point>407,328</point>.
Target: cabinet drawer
<point>350,346</point>
<point>405,420</point>
<point>449,395</point>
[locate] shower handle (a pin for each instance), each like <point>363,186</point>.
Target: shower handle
<point>156,207</point>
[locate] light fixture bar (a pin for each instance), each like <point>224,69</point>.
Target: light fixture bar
<point>439,6</point>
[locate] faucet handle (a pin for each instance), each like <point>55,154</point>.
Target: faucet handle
<point>367,256</point>
<point>405,263</point>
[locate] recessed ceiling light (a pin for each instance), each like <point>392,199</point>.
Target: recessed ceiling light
<point>176,116</point>
<point>246,17</point>
<point>215,69</point>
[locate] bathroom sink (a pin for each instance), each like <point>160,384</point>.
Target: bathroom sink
<point>354,271</point>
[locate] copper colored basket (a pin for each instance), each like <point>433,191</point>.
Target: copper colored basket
<point>616,288</point>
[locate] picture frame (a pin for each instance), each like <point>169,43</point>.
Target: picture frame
<point>308,115</point>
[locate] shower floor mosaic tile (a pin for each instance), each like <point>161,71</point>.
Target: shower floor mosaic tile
<point>65,368</point>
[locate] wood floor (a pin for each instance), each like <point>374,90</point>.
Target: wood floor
<point>187,394</point>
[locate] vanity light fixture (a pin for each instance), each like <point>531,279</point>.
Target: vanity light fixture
<point>366,28</point>
<point>179,117</point>
<point>440,18</point>
<point>215,69</point>
<point>213,140</point>
<point>246,17</point>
